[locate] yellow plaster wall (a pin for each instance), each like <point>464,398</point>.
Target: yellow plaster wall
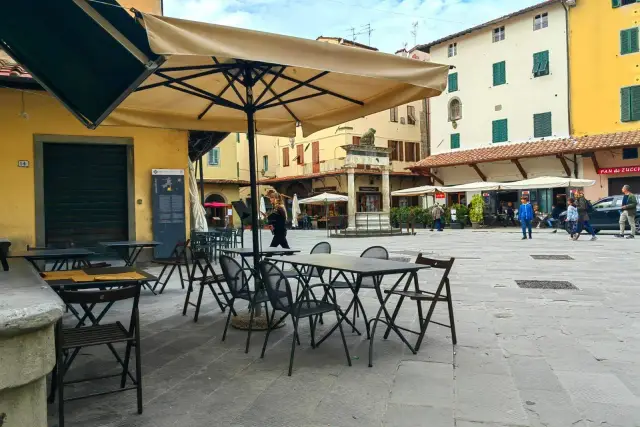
<point>153,148</point>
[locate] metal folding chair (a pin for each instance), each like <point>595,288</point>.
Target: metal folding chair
<point>178,259</point>
<point>69,342</point>
<point>420,296</point>
<point>305,305</point>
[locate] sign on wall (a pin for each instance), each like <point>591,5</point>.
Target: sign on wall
<point>167,187</point>
<point>371,189</point>
<point>617,170</point>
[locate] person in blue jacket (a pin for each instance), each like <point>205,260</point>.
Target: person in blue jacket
<point>525,215</point>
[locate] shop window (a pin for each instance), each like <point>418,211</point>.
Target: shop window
<point>630,153</point>
<point>542,125</point>
<point>629,42</point>
<point>499,73</point>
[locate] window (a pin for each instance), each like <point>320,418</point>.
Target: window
<point>500,131</point>
<point>541,125</point>
<point>300,154</point>
<point>238,169</point>
<point>453,50</point>
<point>540,21</point>
<point>455,110</point>
<point>214,157</point>
<point>453,82</point>
<point>618,3</point>
<point>498,34</point>
<point>411,151</point>
<point>630,153</point>
<point>355,140</point>
<point>237,137</point>
<point>541,64</point>
<point>607,202</point>
<point>394,114</point>
<point>499,73</point>
<point>411,114</point>
<point>285,157</point>
<point>265,163</point>
<point>455,141</point>
<point>630,104</point>
<point>629,41</point>
<point>396,150</point>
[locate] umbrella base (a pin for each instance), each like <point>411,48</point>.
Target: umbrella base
<point>241,321</point>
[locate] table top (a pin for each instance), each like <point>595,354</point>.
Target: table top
<point>52,253</point>
<point>131,243</point>
<point>102,271</point>
<point>352,264</point>
<point>264,251</point>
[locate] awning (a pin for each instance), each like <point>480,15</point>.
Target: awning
<point>416,191</point>
<point>547,182</point>
<point>324,198</point>
<point>216,205</point>
<point>472,186</point>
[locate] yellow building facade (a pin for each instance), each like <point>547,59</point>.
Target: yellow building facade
<point>605,86</point>
<point>35,128</point>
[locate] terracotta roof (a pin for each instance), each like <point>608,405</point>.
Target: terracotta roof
<point>10,68</point>
<point>225,181</point>
<point>532,149</point>
<point>331,173</point>
<point>545,3</point>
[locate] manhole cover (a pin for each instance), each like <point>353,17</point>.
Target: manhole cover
<point>545,284</point>
<point>552,257</point>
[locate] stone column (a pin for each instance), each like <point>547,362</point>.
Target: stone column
<point>386,191</point>
<point>351,185</point>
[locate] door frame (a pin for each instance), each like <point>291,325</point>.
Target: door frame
<point>38,169</point>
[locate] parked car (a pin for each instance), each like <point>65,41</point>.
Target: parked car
<point>605,215</point>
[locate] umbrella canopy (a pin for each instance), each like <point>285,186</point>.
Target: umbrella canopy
<point>295,211</point>
<point>323,198</point>
<point>416,191</point>
<point>547,182</point>
<point>164,72</point>
<point>473,186</point>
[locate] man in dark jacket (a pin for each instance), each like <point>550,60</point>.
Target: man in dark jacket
<point>628,214</point>
<point>583,216</point>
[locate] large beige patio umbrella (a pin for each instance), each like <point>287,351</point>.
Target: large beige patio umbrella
<point>164,72</point>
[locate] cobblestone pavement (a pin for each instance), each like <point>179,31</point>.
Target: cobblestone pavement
<point>525,357</point>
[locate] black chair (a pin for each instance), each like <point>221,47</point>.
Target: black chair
<point>69,342</point>
<point>367,282</point>
<point>239,281</point>
<point>202,274</point>
<point>178,259</point>
<point>419,296</point>
<point>305,305</point>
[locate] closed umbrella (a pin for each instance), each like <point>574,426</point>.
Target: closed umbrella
<point>179,74</point>
<point>263,208</point>
<point>295,211</point>
<point>199,214</point>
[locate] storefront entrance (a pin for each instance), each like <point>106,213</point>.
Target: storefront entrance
<point>615,184</point>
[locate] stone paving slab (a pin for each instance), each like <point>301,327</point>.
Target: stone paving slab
<point>525,357</point>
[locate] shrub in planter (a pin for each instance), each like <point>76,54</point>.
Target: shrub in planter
<point>477,209</point>
<point>394,217</point>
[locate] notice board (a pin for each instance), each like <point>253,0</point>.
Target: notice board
<point>168,209</point>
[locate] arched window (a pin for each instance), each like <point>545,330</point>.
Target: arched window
<point>455,109</point>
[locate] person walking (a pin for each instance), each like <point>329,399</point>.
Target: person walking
<point>511,215</point>
<point>583,207</point>
<point>572,218</point>
<point>278,221</point>
<point>628,213</point>
<point>525,215</point>
<point>436,213</point>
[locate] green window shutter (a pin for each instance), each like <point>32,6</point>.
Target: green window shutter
<point>629,41</point>
<point>625,104</point>
<point>542,125</point>
<point>635,103</point>
<point>541,63</point>
<point>616,3</point>
<point>238,169</point>
<point>500,130</point>
<point>499,73</point>
<point>453,82</point>
<point>455,140</point>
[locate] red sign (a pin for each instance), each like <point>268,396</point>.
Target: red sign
<point>617,170</point>
<point>440,195</point>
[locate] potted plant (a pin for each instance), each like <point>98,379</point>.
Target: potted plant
<point>461,216</point>
<point>394,217</point>
<point>418,217</point>
<point>477,211</point>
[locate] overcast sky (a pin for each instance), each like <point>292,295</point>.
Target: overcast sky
<point>391,20</point>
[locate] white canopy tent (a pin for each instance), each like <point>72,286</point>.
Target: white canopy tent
<point>546,182</point>
<point>416,191</point>
<point>323,198</point>
<point>472,186</point>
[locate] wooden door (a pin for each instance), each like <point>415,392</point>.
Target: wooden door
<point>315,156</point>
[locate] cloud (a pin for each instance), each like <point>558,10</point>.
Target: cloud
<point>391,21</point>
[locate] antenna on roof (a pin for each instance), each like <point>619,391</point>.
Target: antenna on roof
<point>414,32</point>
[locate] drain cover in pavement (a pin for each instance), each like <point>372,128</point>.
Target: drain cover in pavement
<point>545,284</point>
<point>552,257</point>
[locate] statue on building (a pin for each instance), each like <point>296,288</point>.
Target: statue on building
<point>368,138</point>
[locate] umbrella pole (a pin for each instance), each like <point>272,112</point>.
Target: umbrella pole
<point>253,180</point>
